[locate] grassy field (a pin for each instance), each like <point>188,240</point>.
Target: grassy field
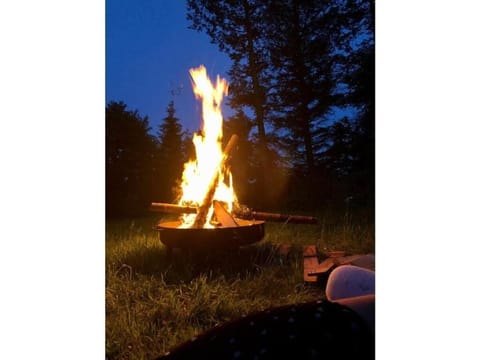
<point>155,302</point>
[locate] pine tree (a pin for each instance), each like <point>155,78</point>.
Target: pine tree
<point>130,152</point>
<point>171,155</point>
<point>237,27</point>
<point>295,64</point>
<point>300,46</point>
<point>357,60</point>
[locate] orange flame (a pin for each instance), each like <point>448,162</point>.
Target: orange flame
<point>198,173</point>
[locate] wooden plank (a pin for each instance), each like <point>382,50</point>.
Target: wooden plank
<point>323,267</point>
<point>312,268</point>
<point>309,250</point>
<point>309,266</point>
<point>223,216</point>
<point>310,263</point>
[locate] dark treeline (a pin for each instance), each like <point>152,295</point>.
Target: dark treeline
<point>141,167</point>
<point>302,86</point>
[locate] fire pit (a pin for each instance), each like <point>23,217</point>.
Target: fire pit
<point>243,227</point>
<point>209,218</point>
<point>246,233</point>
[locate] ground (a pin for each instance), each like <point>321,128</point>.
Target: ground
<point>155,302</point>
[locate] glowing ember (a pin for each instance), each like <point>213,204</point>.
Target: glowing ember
<point>198,173</point>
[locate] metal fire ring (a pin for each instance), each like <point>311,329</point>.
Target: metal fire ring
<point>248,232</point>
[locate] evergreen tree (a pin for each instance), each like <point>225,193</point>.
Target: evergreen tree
<point>315,48</point>
<point>129,161</point>
<point>356,58</point>
<point>363,139</point>
<point>295,64</point>
<point>237,27</point>
<point>171,156</point>
<point>300,46</point>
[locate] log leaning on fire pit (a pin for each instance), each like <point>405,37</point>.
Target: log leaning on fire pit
<point>244,213</point>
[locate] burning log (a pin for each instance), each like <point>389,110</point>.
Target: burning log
<point>243,213</point>
<point>202,213</point>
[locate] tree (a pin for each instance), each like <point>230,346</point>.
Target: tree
<point>171,156</point>
<point>339,155</point>
<point>129,161</point>
<point>356,57</point>
<point>363,139</point>
<point>296,64</point>
<point>300,47</point>
<point>237,28</point>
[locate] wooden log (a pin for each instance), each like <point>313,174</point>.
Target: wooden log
<point>202,213</point>
<point>297,219</point>
<point>243,213</point>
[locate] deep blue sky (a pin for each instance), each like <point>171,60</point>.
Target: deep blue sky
<point>149,50</point>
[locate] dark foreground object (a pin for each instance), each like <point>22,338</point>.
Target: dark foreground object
<point>248,232</point>
<point>316,330</point>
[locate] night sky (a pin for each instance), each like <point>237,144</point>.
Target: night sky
<point>149,50</point>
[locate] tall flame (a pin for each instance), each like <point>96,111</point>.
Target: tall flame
<point>197,174</point>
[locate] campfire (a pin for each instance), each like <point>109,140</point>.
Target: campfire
<point>203,179</point>
<point>209,210</point>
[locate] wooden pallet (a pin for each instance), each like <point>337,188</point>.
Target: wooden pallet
<point>313,269</point>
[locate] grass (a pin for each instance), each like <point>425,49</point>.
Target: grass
<point>155,302</point>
